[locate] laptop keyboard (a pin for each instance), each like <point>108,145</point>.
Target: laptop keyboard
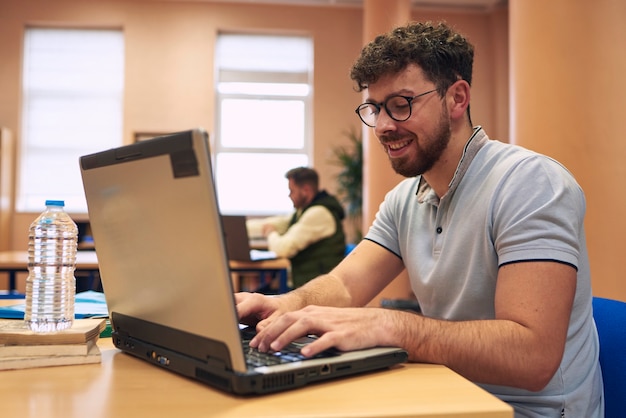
<point>288,354</point>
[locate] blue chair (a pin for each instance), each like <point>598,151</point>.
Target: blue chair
<point>610,317</point>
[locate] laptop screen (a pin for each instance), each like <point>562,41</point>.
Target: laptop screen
<point>157,232</point>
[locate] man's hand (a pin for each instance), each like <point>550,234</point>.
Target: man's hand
<point>254,307</point>
<point>342,328</point>
<point>267,229</point>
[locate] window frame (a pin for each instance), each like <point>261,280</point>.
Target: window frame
<point>34,144</point>
<point>300,78</point>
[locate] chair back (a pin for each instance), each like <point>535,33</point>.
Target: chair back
<point>610,318</point>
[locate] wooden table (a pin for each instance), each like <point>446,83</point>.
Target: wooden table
<point>279,266</point>
<point>123,386</point>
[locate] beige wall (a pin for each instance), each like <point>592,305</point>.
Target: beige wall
<point>569,97</point>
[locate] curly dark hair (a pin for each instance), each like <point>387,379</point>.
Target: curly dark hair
<point>444,55</point>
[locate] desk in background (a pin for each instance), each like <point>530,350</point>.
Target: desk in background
<point>280,267</point>
<point>12,262</point>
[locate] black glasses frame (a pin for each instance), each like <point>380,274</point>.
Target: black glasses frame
<point>381,105</point>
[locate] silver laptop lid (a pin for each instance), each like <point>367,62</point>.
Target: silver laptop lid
<point>156,225</point>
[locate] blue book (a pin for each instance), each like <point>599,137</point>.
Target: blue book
<point>89,304</point>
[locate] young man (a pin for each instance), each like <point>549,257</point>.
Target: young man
<point>312,237</point>
<point>491,235</point>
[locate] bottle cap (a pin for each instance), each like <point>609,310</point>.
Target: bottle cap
<point>55,203</point>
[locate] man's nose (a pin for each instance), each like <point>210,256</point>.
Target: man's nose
<point>384,123</point>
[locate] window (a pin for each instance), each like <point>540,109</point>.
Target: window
<point>263,121</point>
<point>72,105</point>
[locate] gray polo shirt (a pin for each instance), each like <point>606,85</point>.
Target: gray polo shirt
<point>505,204</point>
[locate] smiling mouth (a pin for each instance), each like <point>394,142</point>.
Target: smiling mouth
<point>394,146</point>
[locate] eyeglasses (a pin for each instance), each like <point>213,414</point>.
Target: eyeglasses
<point>397,107</point>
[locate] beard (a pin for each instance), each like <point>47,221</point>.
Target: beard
<point>428,152</point>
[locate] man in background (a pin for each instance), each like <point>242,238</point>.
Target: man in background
<point>312,237</point>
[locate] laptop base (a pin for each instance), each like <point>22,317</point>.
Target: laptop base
<point>214,372</point>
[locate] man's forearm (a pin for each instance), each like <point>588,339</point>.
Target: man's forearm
<point>499,352</point>
<point>325,290</point>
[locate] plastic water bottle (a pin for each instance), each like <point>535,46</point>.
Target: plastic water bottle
<point>51,285</point>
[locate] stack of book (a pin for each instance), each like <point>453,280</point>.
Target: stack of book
<point>20,348</point>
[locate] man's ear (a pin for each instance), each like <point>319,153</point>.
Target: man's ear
<point>458,99</point>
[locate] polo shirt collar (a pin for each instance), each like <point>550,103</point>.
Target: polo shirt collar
<point>425,193</point>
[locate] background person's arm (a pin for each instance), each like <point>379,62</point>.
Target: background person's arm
<point>315,224</point>
<point>255,226</point>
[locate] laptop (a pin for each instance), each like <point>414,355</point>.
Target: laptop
<point>164,269</point>
<point>238,241</point>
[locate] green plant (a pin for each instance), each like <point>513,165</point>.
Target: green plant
<point>350,178</point>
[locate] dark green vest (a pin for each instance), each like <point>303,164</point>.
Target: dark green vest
<point>320,257</point>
